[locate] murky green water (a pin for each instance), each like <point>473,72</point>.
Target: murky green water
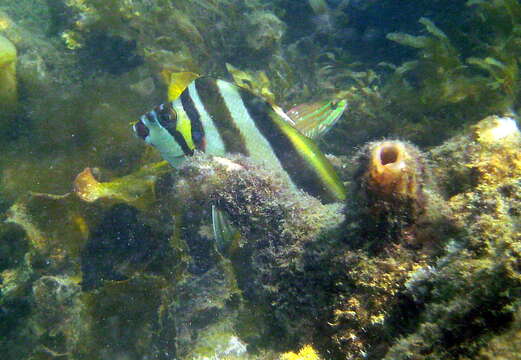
<point>276,229</point>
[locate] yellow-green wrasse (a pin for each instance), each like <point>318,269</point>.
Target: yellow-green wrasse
<point>218,117</point>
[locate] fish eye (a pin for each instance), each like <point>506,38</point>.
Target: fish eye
<point>152,117</point>
<point>166,115</point>
<point>173,114</point>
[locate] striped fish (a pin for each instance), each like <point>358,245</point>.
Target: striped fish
<point>218,117</point>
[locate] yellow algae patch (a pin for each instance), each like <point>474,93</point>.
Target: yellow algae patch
<point>17,214</point>
<point>56,226</point>
<point>306,353</point>
<point>495,130</point>
<point>136,188</point>
<point>72,40</point>
<point>497,156</point>
<point>81,225</point>
<point>5,22</point>
<point>8,85</point>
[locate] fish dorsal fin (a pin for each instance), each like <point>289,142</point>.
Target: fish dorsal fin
<point>178,82</point>
<point>315,119</point>
<point>311,119</point>
<point>257,83</point>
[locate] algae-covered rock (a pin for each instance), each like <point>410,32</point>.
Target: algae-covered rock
<point>62,234</point>
<point>64,218</point>
<point>8,80</point>
<point>472,293</point>
<point>506,345</point>
<point>123,317</point>
<point>266,31</point>
<point>488,152</point>
<point>299,272</point>
<point>202,312</point>
<point>395,196</point>
<point>402,299</point>
<point>123,245</point>
<point>57,318</point>
<point>276,226</point>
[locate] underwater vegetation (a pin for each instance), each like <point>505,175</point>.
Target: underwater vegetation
<point>451,73</point>
<point>393,185</point>
<point>8,89</point>
<point>112,54</point>
<point>306,353</point>
<point>392,273</point>
<point>173,35</point>
<point>487,261</point>
<point>108,252</point>
<point>482,73</point>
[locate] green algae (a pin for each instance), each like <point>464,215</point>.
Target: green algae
<point>486,81</point>
<point>335,276</point>
<point>474,288</point>
<point>260,292</point>
<point>136,189</point>
<point>458,75</point>
<point>8,81</point>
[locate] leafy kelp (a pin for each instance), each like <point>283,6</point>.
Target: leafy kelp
<point>488,78</point>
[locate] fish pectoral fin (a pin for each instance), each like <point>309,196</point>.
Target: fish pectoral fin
<point>225,234</point>
<point>315,119</point>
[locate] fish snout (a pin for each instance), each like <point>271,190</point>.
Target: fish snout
<point>140,129</point>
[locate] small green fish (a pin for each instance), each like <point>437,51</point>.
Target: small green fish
<point>315,119</point>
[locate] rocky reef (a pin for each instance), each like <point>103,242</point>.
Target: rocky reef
<point>108,253</point>
<point>399,271</point>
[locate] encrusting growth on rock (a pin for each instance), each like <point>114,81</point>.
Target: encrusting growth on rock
<point>392,169</point>
<point>394,191</point>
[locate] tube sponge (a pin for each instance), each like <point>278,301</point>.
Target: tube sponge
<point>393,192</point>
<point>389,169</point>
<point>8,91</point>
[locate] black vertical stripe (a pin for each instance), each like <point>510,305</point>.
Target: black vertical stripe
<point>215,106</point>
<point>167,118</point>
<point>182,142</point>
<point>195,120</point>
<point>300,171</point>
